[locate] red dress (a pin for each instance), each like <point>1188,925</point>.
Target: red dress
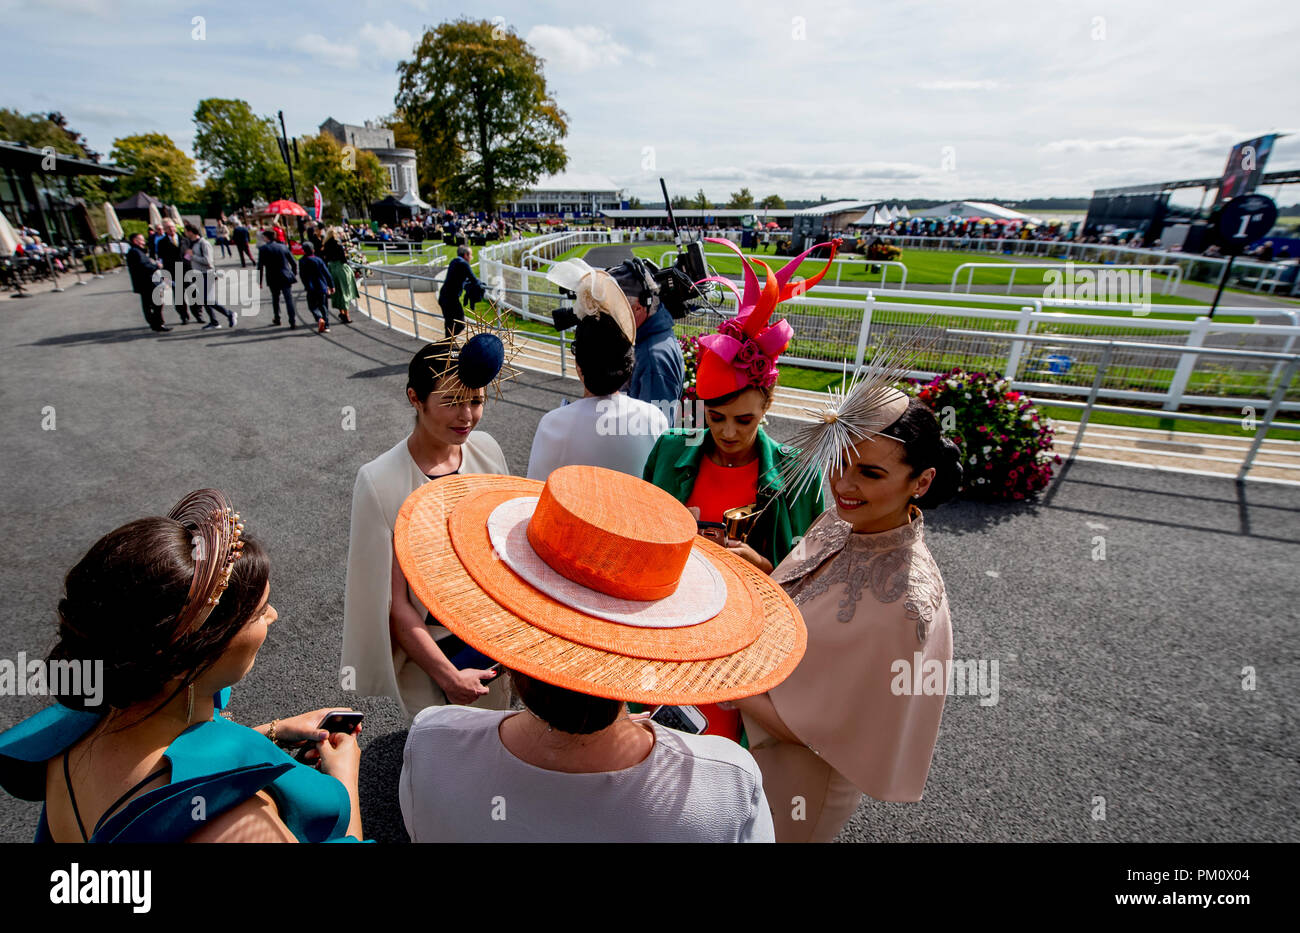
<point>718,488</point>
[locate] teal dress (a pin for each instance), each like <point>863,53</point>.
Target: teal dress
<point>222,762</point>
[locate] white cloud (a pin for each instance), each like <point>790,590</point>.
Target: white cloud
<point>1219,140</point>
<point>576,48</point>
<point>392,42</point>
<point>323,50</point>
<point>958,85</point>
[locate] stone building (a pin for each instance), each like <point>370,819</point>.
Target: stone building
<point>399,163</point>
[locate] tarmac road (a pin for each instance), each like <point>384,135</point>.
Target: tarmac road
<point>1119,677</point>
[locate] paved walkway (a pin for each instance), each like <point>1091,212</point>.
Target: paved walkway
<point>1119,677</point>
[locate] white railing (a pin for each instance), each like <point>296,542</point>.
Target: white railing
<point>1107,253</point>
<point>829,331</point>
<point>1173,272</point>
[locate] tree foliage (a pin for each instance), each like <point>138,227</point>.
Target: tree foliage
<point>157,166</point>
<point>477,94</point>
<point>700,201</point>
<point>772,202</point>
<point>741,199</point>
<point>351,179</point>
<point>240,150</point>
<point>438,158</point>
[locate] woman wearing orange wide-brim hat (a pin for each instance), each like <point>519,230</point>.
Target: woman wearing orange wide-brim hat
<point>592,589</point>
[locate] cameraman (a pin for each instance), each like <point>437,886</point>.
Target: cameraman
<point>660,369</point>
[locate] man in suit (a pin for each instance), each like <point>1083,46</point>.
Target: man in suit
<point>240,237</point>
<point>171,253</point>
<point>142,269</point>
<point>460,278</point>
<point>276,262</point>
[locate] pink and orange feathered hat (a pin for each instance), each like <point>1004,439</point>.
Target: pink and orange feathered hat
<point>743,352</point>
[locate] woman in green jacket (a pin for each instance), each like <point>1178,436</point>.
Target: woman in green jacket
<point>731,462</point>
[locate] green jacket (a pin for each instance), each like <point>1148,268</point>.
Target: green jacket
<point>673,465</point>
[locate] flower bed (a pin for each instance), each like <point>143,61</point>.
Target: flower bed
<point>1006,443</point>
<point>690,353</point>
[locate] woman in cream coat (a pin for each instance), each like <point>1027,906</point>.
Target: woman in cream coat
<point>389,640</point>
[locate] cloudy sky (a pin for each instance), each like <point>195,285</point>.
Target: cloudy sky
<point>869,99</point>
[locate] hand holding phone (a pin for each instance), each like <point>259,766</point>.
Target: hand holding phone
<point>338,720</point>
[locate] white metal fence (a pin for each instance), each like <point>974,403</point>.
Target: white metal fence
<point>1149,362</point>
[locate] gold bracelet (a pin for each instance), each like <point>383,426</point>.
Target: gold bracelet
<point>270,733</point>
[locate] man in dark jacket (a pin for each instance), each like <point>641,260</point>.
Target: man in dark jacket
<point>460,278</point>
<point>276,262</point>
<point>660,369</point>
<point>240,237</point>
<point>171,254</point>
<point>142,269</point>
<point>318,284</point>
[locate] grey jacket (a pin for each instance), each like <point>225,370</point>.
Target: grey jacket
<point>201,256</point>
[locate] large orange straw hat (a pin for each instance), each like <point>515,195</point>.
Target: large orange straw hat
<point>596,581</point>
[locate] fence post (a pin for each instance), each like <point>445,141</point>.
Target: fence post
<point>1274,404</point>
<point>864,331</point>
<point>564,363</point>
<point>1186,364</point>
<point>1018,346</point>
<point>1092,396</point>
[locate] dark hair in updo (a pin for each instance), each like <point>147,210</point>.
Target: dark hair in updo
<point>924,446</point>
<point>565,710</point>
<point>603,354</point>
<point>430,363</point>
<point>121,606</point>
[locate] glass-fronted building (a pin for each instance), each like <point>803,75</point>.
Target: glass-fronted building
<point>37,191</point>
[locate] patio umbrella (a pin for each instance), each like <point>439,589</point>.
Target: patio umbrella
<point>114,225</point>
<point>8,239</point>
<point>155,218</point>
<point>285,206</point>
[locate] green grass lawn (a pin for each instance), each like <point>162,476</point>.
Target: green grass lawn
<point>926,267</point>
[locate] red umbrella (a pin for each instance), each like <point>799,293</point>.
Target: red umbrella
<point>291,208</point>
<point>772,224</point>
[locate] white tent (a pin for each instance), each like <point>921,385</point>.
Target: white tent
<point>114,225</point>
<point>867,219</point>
<point>8,239</point>
<point>903,213</point>
<point>412,200</point>
<point>883,216</point>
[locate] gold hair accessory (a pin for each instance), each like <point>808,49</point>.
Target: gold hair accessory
<point>216,531</point>
<point>455,392</point>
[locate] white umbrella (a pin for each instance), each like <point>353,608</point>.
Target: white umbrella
<point>114,225</point>
<point>155,218</point>
<point>8,239</point>
<point>176,215</point>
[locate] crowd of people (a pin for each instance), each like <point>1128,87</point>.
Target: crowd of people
<point>184,263</point>
<point>660,634</point>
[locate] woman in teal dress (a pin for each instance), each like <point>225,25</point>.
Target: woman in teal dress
<point>175,609</point>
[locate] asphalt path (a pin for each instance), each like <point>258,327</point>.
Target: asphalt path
<point>1119,678</point>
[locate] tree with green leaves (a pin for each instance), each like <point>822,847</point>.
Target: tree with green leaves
<point>157,167</point>
<point>772,202</point>
<point>634,204</point>
<point>351,179</point>
<point>701,202</point>
<point>741,199</point>
<point>478,91</point>
<point>682,202</point>
<point>239,148</point>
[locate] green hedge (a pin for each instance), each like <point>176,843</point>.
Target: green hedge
<point>98,262</point>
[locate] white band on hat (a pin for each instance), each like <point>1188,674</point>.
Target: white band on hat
<point>700,595</point>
